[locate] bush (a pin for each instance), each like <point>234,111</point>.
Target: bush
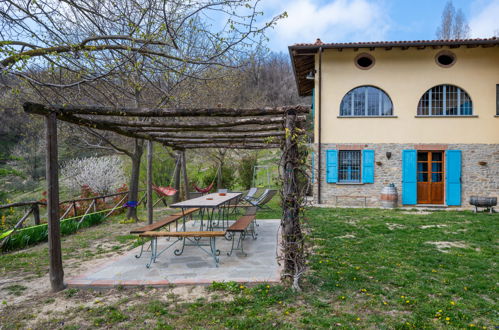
<point>245,170</point>
<point>101,174</point>
<point>228,177</point>
<point>35,234</point>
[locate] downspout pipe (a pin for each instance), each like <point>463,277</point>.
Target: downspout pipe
<point>319,140</point>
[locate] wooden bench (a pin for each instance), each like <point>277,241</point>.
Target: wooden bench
<point>157,225</point>
<point>184,236</point>
<point>241,226</point>
<point>166,221</point>
<point>175,217</point>
<point>187,211</point>
<point>242,223</point>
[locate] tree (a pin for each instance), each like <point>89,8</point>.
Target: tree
<point>103,175</point>
<point>454,24</point>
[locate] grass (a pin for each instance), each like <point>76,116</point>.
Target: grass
<point>15,289</point>
<point>367,268</point>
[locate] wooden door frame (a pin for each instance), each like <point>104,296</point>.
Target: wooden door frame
<point>444,175</point>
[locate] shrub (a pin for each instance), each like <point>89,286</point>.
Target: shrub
<point>101,174</point>
<point>35,234</point>
<point>245,170</point>
<point>228,177</point>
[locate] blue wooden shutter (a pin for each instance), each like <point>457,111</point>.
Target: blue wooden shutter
<point>368,166</point>
<point>453,184</point>
<point>313,167</point>
<point>409,182</point>
<point>331,166</point>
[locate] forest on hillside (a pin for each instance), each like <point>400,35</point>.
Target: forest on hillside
<point>263,80</point>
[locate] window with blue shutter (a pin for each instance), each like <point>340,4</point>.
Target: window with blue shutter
<point>331,166</point>
<point>368,166</point>
<point>409,183</point>
<point>453,183</point>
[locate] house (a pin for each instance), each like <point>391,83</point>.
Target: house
<point>423,115</point>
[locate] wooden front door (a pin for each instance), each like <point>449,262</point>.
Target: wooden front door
<point>430,175</point>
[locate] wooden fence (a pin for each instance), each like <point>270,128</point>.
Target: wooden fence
<point>72,204</point>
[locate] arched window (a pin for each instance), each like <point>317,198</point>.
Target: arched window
<point>366,101</point>
<point>445,100</point>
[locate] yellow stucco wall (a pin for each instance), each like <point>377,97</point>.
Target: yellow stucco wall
<point>405,75</point>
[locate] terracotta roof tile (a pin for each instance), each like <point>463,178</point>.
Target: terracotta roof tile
<point>318,42</point>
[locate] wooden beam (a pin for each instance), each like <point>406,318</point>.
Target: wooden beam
<point>228,146</point>
<point>205,135</point>
<point>252,128</point>
<point>56,272</point>
<point>176,141</point>
<point>96,110</point>
<point>120,125</point>
<point>17,204</point>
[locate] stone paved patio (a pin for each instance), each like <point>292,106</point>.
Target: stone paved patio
<point>194,266</point>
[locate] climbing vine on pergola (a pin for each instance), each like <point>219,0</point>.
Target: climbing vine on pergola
<point>181,129</point>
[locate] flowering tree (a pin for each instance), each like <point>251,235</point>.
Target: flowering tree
<point>101,174</point>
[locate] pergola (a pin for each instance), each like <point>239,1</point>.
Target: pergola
<point>181,129</point>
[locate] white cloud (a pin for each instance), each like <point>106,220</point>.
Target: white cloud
<point>485,22</point>
<point>335,21</point>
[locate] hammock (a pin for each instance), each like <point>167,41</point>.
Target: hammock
<point>204,190</point>
<point>169,190</point>
<point>207,189</point>
<point>164,191</point>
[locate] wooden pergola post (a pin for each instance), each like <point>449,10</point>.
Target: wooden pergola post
<point>291,228</point>
<point>56,271</point>
<point>150,210</point>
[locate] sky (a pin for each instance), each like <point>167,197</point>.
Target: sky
<point>371,20</point>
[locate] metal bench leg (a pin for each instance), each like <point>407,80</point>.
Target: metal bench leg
<point>240,243</point>
<point>154,251</point>
<point>214,251</point>
<point>178,252</point>
<point>239,246</point>
<point>142,249</point>
<point>232,247</point>
<point>254,232</point>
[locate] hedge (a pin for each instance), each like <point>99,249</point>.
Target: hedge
<point>35,234</point>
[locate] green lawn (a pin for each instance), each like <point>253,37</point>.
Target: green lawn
<point>367,268</point>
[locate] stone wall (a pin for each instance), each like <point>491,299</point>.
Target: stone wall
<point>482,180</point>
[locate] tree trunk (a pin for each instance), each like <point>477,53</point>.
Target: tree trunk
<point>219,176</point>
<point>186,180</point>
<point>133,194</point>
<point>176,178</point>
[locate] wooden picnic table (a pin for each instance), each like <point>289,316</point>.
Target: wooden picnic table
<point>207,205</point>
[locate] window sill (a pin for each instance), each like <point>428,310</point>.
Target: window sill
<point>497,116</point>
<point>349,183</point>
<point>366,117</point>
<point>467,116</point>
